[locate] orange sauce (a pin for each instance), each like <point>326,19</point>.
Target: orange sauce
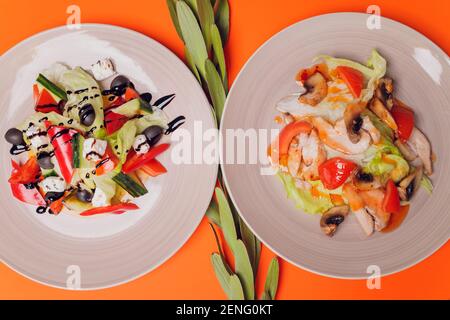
<point>396,219</point>
<point>278,120</point>
<point>337,99</point>
<point>337,199</point>
<point>333,90</point>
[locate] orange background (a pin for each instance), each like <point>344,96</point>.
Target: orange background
<point>188,274</point>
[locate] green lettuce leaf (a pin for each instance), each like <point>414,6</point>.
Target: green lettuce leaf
<point>426,184</point>
<point>122,140</point>
<point>303,198</point>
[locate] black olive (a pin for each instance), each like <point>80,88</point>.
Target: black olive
<point>84,195</point>
<point>53,196</point>
<point>147,97</point>
<point>364,176</point>
<point>336,219</point>
<point>410,190</point>
<point>153,134</point>
<point>30,185</point>
<point>357,124</point>
<point>44,160</point>
<point>14,136</point>
<point>120,84</point>
<point>87,115</point>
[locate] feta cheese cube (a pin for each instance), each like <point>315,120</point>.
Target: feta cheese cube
<point>103,69</point>
<point>100,199</point>
<point>94,149</point>
<point>141,144</point>
<point>53,184</point>
<point>37,137</point>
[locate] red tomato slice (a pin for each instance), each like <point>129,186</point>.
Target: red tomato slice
<point>353,78</point>
<point>391,201</point>
<point>285,138</point>
<point>114,121</point>
<point>335,171</point>
<point>153,168</point>
<point>30,196</point>
<point>136,161</point>
<point>404,118</point>
<point>115,209</point>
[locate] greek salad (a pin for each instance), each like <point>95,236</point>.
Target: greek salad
<point>88,150</point>
<point>349,146</point>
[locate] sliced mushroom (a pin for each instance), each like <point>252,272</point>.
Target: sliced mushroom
<point>409,185</point>
<point>405,150</point>
<point>365,181</point>
<point>353,121</point>
<point>332,219</point>
<point>366,220</point>
<point>377,107</point>
<point>316,89</point>
<point>371,129</point>
<point>420,144</point>
<point>384,92</point>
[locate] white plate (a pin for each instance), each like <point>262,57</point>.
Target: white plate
<point>108,249</point>
<point>422,79</point>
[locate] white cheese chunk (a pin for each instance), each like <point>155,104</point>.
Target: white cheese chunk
<point>37,137</point>
<point>94,149</point>
<point>100,198</point>
<point>141,144</point>
<point>53,184</point>
<point>103,69</point>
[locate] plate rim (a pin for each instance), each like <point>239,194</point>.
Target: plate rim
<point>221,128</point>
<point>170,254</point>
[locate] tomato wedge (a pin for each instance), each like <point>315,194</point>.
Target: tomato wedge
<point>136,161</point>
<point>153,168</point>
<point>404,118</point>
<point>114,209</point>
<point>61,138</point>
<point>27,173</point>
<point>30,196</point>
<point>279,153</point>
<point>114,121</point>
<point>391,201</point>
<point>353,78</point>
<point>335,171</point>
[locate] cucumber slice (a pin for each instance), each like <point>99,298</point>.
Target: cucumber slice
<point>78,160</point>
<point>130,185</point>
<point>51,87</point>
<point>49,173</point>
<point>75,204</point>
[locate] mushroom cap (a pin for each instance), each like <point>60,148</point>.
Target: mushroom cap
<point>332,218</point>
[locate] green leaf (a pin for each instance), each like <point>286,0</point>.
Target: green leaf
<point>243,268</point>
<point>191,64</point>
<point>215,88</point>
<point>271,285</point>
<point>426,184</point>
<point>223,19</point>
<point>192,4</point>
<point>229,282</point>
<point>192,36</point>
<point>171,4</point>
<point>213,213</point>
<point>219,54</point>
<point>206,17</point>
<point>252,244</point>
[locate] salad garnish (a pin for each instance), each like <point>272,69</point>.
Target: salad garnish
<point>87,149</point>
<point>348,145</point>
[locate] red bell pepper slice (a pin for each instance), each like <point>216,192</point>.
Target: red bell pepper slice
<point>114,209</point>
<point>114,121</point>
<point>30,196</point>
<point>353,78</point>
<point>107,163</point>
<point>45,102</point>
<point>61,138</point>
<point>57,205</point>
<point>284,139</point>
<point>404,118</point>
<point>136,161</point>
<point>391,201</point>
<point>27,173</point>
<point>335,171</point>
<point>35,93</point>
<point>153,168</point>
